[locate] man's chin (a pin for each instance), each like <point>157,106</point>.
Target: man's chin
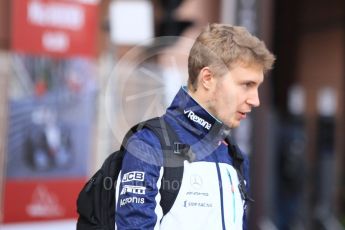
<point>233,124</point>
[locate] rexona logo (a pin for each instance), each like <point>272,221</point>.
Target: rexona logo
<point>192,116</point>
<point>133,176</point>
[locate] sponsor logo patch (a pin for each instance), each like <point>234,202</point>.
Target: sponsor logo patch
<point>188,204</point>
<point>132,200</point>
<point>196,181</point>
<point>197,194</point>
<point>133,189</point>
<point>133,176</point>
<point>193,117</point>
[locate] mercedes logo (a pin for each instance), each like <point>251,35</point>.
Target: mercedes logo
<point>196,181</point>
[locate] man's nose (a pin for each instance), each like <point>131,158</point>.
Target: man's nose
<point>254,100</point>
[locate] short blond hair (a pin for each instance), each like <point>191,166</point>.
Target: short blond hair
<point>221,46</point>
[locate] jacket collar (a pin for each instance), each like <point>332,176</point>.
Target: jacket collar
<point>190,114</point>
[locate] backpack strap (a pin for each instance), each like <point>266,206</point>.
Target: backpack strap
<point>174,154</point>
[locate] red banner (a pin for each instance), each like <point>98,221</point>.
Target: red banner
<point>61,28</point>
<point>41,199</point>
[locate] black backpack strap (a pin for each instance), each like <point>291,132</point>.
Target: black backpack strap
<point>237,161</point>
<point>174,154</point>
<point>174,151</point>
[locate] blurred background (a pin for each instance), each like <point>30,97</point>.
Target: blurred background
<point>76,74</point>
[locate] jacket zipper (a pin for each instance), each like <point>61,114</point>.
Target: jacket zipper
<point>221,194</point>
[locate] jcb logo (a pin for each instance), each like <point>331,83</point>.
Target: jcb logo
<point>135,175</point>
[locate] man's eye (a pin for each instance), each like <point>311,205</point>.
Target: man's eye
<point>249,84</point>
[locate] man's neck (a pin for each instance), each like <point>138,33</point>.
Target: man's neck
<point>198,96</point>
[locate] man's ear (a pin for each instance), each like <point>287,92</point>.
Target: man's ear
<point>206,79</point>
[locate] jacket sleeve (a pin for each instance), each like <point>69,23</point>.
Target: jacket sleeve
<point>137,190</point>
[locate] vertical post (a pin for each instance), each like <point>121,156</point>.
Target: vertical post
<point>4,83</point>
<point>290,172</point>
<point>325,173</point>
<point>228,11</point>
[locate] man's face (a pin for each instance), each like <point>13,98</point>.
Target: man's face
<point>235,94</point>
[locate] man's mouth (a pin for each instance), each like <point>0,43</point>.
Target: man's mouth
<point>242,115</point>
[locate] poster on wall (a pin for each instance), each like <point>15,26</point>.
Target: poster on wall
<point>51,112</point>
<point>60,28</point>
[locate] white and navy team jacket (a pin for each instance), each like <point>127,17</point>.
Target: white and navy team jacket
<point>209,196</point>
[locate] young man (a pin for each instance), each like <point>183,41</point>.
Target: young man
<point>226,67</point>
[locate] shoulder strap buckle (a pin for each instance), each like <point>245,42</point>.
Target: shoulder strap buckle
<point>183,150</point>
<point>180,148</point>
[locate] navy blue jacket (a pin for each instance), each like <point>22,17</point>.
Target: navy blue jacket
<point>209,197</point>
